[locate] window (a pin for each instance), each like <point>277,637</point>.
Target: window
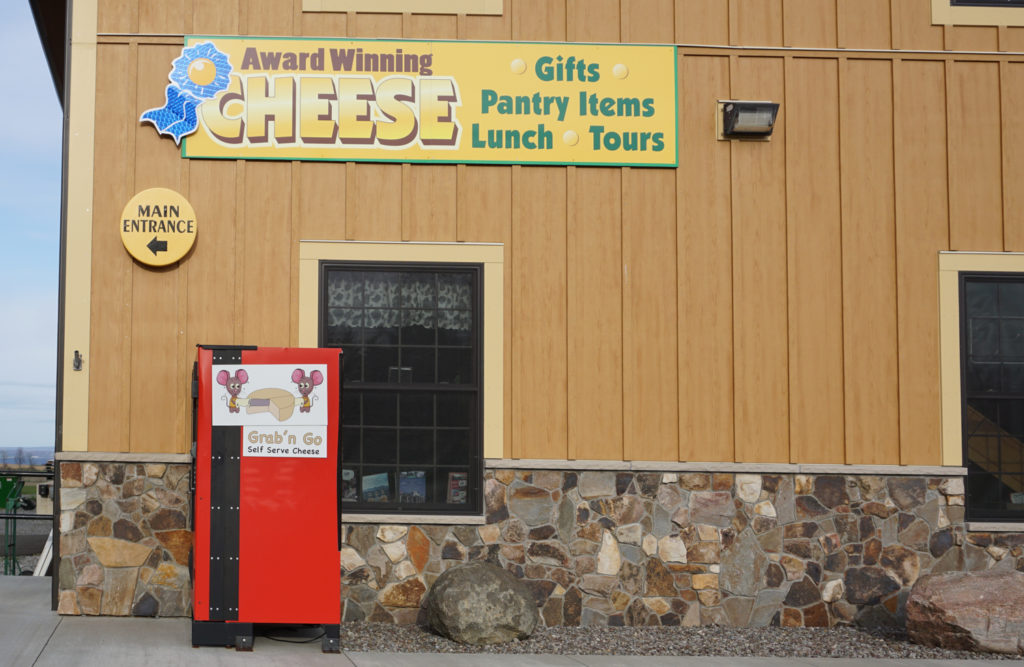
<point>978,12</point>
<point>986,3</point>
<point>412,405</point>
<point>992,376</point>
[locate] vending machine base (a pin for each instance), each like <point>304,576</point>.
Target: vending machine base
<point>241,635</point>
<point>217,633</point>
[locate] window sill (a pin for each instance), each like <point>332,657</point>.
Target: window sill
<point>995,527</point>
<point>485,7</point>
<point>456,519</point>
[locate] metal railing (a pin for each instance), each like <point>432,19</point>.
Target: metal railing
<point>12,484</point>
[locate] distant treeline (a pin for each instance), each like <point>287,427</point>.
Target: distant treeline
<point>25,455</point>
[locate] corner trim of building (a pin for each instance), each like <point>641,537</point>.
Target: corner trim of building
<point>727,467</point>
<point>121,457</point>
<point>74,426</point>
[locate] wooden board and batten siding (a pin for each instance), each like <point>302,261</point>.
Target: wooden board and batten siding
<point>764,302</point>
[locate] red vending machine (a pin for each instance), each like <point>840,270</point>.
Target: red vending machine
<point>266,506</point>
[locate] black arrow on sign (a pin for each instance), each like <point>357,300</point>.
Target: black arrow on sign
<point>157,246</point>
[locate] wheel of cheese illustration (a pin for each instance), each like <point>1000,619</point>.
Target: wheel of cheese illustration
<point>278,402</point>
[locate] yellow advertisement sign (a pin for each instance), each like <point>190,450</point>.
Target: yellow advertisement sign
<point>423,101</point>
<point>158,226</point>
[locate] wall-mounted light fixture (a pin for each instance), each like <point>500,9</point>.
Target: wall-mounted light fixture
<point>746,119</point>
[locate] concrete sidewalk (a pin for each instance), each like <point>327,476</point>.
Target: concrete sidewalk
<point>31,634</point>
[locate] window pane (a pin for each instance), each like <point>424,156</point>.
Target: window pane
<point>455,366</point>
<point>454,410</point>
<point>416,445</point>
<point>380,326</point>
<point>378,363</point>
<point>1011,420</point>
<point>421,361</point>
<point>983,452</point>
<point>380,445</point>
<point>982,378</point>
<point>452,446</point>
<point>351,452</point>
<point>984,334</point>
<point>345,326</point>
<point>1011,338</point>
<point>418,290</point>
<point>344,289</point>
<point>1013,378</point>
<point>982,417</point>
<point>417,409</point>
<point>455,290</point>
<point>981,298</point>
<point>353,364</point>
<point>380,409</point>
<point>1011,299</point>
<point>984,490</point>
<point>350,412</point>
<point>418,327</point>
<point>454,327</point>
<point>380,289</point>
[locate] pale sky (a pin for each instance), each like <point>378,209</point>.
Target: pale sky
<point>30,144</point>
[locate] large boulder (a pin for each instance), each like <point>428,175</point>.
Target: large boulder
<point>969,611</point>
<point>480,603</point>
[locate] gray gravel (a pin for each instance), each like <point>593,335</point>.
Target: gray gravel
<point>837,642</point>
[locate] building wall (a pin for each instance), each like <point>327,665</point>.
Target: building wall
<point>596,547</point>
<point>764,302</point>
<point>772,303</point>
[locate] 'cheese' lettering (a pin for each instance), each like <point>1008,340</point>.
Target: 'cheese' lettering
<point>395,112</point>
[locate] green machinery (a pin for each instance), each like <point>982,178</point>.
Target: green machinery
<point>10,502</point>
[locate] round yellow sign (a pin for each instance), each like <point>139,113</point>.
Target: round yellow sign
<point>158,226</point>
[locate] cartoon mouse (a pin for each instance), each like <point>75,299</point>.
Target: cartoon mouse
<point>306,384</point>
<point>233,383</point>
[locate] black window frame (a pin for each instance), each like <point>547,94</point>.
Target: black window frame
<point>474,465</point>
<point>975,508</point>
<point>986,3</point>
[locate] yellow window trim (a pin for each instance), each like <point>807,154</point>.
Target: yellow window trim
<point>492,7</point>
<point>491,255</point>
<point>951,264</point>
<point>944,13</point>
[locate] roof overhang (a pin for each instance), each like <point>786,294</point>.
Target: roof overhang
<point>51,23</point>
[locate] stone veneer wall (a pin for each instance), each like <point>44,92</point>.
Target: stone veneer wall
<point>125,539</point>
<point>595,547</point>
<point>634,548</point>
